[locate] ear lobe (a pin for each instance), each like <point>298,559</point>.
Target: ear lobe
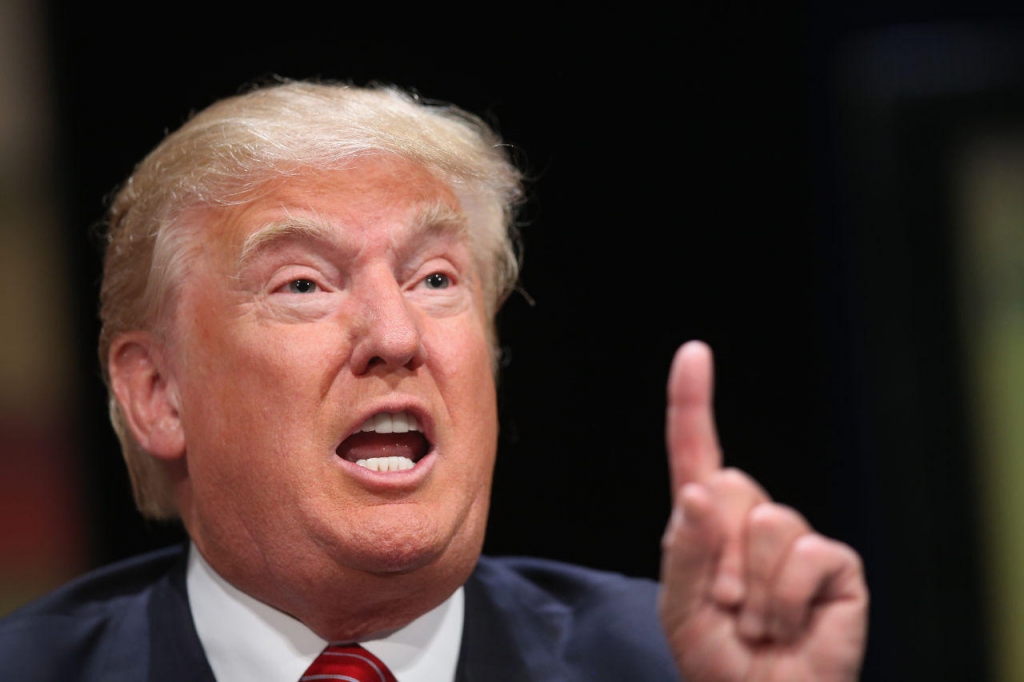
<point>147,394</point>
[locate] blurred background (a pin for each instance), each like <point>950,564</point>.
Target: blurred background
<point>832,196</point>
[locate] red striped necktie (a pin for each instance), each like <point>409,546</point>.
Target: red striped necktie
<point>351,663</point>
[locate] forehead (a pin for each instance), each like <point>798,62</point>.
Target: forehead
<point>373,197</point>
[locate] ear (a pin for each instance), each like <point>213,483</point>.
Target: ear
<point>147,394</point>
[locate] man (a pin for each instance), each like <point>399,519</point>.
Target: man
<point>298,303</point>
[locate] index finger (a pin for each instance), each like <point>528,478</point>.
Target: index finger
<point>690,434</point>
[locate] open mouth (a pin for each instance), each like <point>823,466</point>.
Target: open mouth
<point>386,442</point>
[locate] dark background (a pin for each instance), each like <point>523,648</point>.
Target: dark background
<point>750,177</point>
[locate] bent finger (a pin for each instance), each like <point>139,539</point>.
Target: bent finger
<point>735,494</point>
<point>818,574</point>
<point>771,530</point>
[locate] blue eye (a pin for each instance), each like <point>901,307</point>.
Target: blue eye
<point>437,280</point>
<point>302,286</point>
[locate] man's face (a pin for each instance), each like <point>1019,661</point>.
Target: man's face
<point>332,309</point>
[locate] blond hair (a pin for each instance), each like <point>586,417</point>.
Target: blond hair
<point>224,153</point>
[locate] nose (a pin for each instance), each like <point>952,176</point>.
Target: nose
<point>388,335</point>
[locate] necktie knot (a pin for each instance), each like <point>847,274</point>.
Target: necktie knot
<point>351,663</point>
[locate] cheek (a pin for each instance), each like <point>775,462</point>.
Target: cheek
<point>466,379</point>
<point>239,351</point>
<point>463,363</point>
<point>245,391</point>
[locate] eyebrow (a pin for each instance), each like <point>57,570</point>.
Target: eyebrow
<point>438,218</point>
<point>278,231</point>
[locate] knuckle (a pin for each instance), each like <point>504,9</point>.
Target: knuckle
<point>732,482</point>
<point>773,517</point>
<point>811,547</point>
<point>734,476</point>
<point>731,479</point>
<point>816,549</point>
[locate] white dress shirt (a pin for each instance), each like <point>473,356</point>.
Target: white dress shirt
<point>246,640</point>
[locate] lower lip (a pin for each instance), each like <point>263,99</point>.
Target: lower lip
<point>406,479</point>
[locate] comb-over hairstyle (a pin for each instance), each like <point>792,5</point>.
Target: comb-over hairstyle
<point>225,153</point>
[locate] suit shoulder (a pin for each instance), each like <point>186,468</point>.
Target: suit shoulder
<point>76,625</point>
<point>100,591</point>
<point>572,585</point>
<point>600,625</point>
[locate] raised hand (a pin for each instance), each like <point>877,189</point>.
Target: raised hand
<point>749,591</point>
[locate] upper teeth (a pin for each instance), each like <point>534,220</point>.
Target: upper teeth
<point>403,422</point>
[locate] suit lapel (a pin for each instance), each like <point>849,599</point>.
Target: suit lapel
<point>512,631</point>
<point>175,650</point>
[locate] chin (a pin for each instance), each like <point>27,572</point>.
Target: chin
<point>397,546</point>
<point>394,557</point>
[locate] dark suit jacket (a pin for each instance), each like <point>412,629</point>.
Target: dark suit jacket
<point>526,619</point>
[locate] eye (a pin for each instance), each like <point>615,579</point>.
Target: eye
<point>302,286</point>
<point>438,280</point>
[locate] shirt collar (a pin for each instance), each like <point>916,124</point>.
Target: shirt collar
<point>245,639</point>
